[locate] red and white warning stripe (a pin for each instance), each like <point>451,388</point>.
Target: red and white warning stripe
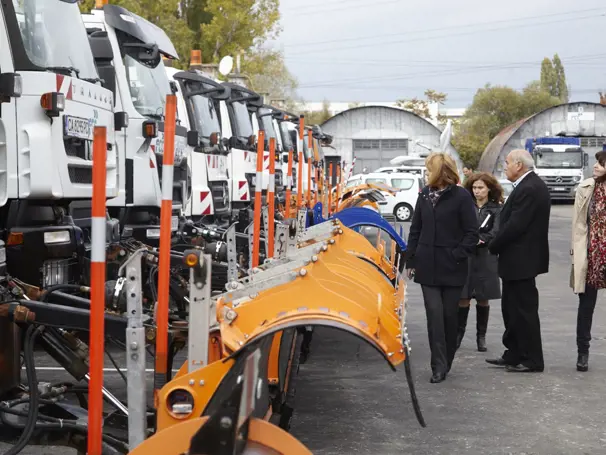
<point>206,200</point>
<point>242,193</point>
<point>64,85</point>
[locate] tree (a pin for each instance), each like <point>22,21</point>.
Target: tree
<point>560,74</point>
<point>553,78</point>
<point>237,25</point>
<point>219,28</point>
<point>422,107</point>
<point>268,74</point>
<point>318,117</point>
<point>492,109</point>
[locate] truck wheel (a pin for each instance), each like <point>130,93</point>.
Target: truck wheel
<point>403,212</point>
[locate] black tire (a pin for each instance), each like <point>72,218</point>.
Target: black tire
<point>403,212</point>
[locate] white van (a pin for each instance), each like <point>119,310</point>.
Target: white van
<point>402,204</point>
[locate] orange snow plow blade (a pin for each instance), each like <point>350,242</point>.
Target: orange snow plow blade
<point>341,291</point>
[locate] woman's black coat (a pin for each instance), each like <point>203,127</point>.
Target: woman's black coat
<point>441,238</point>
<point>483,282</point>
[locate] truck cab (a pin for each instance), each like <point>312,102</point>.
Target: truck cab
<point>265,118</point>
<point>560,162</point>
<point>51,101</point>
<point>198,104</point>
<point>140,88</point>
<point>236,124</point>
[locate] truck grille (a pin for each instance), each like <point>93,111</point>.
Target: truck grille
<point>220,194</point>
<point>80,174</point>
<point>558,180</point>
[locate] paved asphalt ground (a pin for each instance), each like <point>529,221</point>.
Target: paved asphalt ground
<point>350,402</point>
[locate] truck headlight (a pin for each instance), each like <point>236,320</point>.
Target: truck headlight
<point>576,179</point>
<point>56,272</point>
<point>52,237</point>
<point>152,233</point>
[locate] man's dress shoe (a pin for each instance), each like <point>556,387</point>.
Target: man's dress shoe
<point>437,377</point>
<point>521,369</point>
<point>500,362</point>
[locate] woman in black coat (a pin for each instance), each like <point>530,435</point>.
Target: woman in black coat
<point>483,283</point>
<point>443,234</point>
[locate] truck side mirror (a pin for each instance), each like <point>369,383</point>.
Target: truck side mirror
<point>193,140</point>
<point>120,120</point>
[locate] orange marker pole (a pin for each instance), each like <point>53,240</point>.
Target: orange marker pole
<point>300,163</point>
<point>287,210</point>
<point>168,161</point>
<point>97,304</point>
<point>330,189</point>
<point>338,196</point>
<point>309,168</point>
<point>271,189</point>
<point>258,200</point>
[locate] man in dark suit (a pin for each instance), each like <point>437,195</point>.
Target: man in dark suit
<point>523,247</point>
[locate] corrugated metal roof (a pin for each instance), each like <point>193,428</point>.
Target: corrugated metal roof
<point>493,149</point>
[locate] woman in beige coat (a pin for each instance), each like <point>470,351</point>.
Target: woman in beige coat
<point>589,252</point>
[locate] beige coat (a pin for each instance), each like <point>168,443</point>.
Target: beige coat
<point>578,250</point>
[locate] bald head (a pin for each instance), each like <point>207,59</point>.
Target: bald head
<point>518,163</point>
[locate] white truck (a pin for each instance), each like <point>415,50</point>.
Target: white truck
<point>198,104</point>
<point>131,47</point>
<point>237,126</point>
<point>560,162</point>
<point>51,99</point>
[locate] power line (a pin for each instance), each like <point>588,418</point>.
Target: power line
<point>307,11</point>
<point>464,33</point>
<point>450,71</point>
<point>440,29</point>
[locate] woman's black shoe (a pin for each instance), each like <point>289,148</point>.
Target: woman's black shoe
<point>583,362</point>
<point>437,377</point>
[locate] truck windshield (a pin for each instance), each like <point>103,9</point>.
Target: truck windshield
<point>54,37</point>
<point>267,123</point>
<point>205,111</point>
<point>571,159</point>
<point>286,140</point>
<point>148,86</point>
<point>242,120</point>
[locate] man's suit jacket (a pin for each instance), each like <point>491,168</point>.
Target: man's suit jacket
<point>522,241</point>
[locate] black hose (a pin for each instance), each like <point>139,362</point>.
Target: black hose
<point>411,386</point>
<point>32,382</point>
<point>57,287</point>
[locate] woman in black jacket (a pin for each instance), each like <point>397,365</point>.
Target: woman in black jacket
<point>443,233</point>
<point>483,283</point>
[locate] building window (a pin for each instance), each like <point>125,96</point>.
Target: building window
<point>592,141</point>
<point>378,144</point>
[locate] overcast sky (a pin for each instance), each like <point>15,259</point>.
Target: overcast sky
<point>358,50</point>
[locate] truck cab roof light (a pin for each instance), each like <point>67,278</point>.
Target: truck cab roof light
<point>11,86</point>
<point>53,103</point>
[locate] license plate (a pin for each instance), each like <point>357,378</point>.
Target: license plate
<point>78,127</point>
<point>559,189</point>
<point>174,223</point>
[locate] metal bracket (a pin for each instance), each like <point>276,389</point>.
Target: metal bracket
<point>319,230</point>
<point>281,240</point>
<point>253,288</point>
<point>301,220</point>
<point>135,350</point>
<point>200,313</point>
<point>232,254</point>
<point>265,218</point>
<point>249,231</point>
